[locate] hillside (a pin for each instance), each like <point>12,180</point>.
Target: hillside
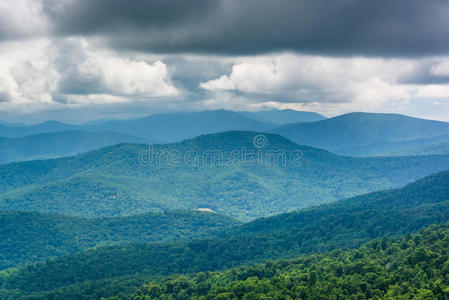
<point>225,172</point>
<point>31,237</point>
<point>10,124</point>
<point>413,267</point>
<point>12,131</point>
<point>424,146</point>
<point>161,128</point>
<point>175,127</point>
<point>347,223</point>
<point>365,134</point>
<point>58,144</point>
<point>283,116</point>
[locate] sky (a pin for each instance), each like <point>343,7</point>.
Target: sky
<point>78,60</point>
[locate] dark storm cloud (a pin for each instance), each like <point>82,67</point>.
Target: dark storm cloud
<point>4,97</point>
<point>338,27</point>
<point>94,16</point>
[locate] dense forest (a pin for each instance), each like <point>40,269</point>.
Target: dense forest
<point>413,267</point>
<point>112,181</point>
<point>28,237</point>
<point>344,224</point>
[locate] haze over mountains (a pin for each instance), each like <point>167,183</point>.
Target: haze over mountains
<point>22,142</point>
<point>354,134</point>
<point>170,127</point>
<point>284,116</point>
<point>370,134</point>
<point>59,144</point>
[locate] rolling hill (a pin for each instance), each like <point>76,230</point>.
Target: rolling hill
<point>367,134</point>
<point>227,172</point>
<point>28,237</point>
<point>175,127</point>
<point>11,124</point>
<point>284,116</point>
<point>344,224</point>
<point>354,134</point>
<point>413,267</point>
<point>58,144</point>
<point>12,131</point>
<point>162,128</point>
<point>424,146</point>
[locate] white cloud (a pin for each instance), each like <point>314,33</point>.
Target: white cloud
<point>314,78</point>
<point>118,75</point>
<point>40,74</point>
<point>435,91</point>
<point>21,18</point>
<point>333,85</point>
<point>441,68</point>
<point>220,84</point>
<point>24,76</point>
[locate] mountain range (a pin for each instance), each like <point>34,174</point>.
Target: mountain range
<point>347,223</point>
<point>170,127</point>
<point>58,144</point>
<point>238,173</point>
<point>370,134</point>
<point>284,116</point>
<point>354,134</point>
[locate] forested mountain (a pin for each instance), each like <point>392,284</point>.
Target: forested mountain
<point>284,116</point>
<point>175,127</point>
<point>11,124</point>
<point>347,223</point>
<point>31,237</point>
<point>354,134</point>
<point>58,144</point>
<point>162,128</point>
<point>11,131</point>
<point>368,134</point>
<point>423,146</point>
<point>227,172</point>
<point>413,267</point>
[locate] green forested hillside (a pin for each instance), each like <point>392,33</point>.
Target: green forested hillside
<point>370,134</point>
<point>347,223</point>
<point>31,237</point>
<point>58,144</point>
<point>413,267</point>
<point>225,172</point>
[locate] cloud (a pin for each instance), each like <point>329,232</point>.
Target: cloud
<point>433,91</point>
<point>440,69</point>
<point>316,78</point>
<point>22,18</point>
<point>343,27</point>
<point>90,71</point>
<point>47,74</point>
<point>118,57</point>
<point>330,84</point>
